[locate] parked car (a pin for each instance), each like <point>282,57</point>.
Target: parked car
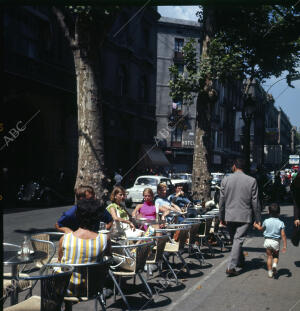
<point>216,179</point>
<point>135,193</point>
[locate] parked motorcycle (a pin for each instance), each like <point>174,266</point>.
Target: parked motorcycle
<point>38,192</point>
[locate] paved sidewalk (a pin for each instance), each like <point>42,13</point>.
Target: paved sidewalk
<point>206,288</point>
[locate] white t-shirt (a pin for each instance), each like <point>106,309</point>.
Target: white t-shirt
<point>161,202</point>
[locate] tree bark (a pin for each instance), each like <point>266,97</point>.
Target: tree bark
<point>202,150</point>
<point>86,36</point>
<point>201,160</point>
<point>90,124</point>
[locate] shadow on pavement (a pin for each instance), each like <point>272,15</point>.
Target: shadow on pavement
<point>253,264</point>
<point>254,249</point>
<point>282,272</point>
<point>297,264</point>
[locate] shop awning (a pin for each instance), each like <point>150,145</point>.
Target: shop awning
<point>154,156</point>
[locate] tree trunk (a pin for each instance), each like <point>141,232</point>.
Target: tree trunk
<point>90,122</point>
<point>202,149</point>
<point>201,160</point>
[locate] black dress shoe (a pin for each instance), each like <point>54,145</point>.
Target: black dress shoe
<point>232,272</point>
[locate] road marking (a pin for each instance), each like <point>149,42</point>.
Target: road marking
<point>200,283</point>
<point>294,305</point>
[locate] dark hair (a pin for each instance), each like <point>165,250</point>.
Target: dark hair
<point>88,213</point>
<point>81,191</point>
<point>274,209</point>
<point>116,191</point>
<point>240,163</point>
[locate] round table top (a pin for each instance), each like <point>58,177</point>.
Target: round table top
<point>12,257</point>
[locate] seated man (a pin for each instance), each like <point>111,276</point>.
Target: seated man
<point>178,197</point>
<point>162,201</point>
<point>68,222</point>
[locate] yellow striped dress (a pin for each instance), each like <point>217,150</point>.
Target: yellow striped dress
<point>80,251</point>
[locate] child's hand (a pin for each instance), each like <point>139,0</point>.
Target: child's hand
<point>284,250</point>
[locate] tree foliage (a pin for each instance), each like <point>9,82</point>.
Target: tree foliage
<point>249,42</point>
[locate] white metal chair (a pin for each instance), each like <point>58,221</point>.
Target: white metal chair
<point>176,248</point>
<point>52,290</point>
<point>135,256</point>
<point>46,242</point>
<point>93,276</point>
<point>9,284</point>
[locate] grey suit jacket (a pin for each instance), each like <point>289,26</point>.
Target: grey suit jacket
<point>239,198</point>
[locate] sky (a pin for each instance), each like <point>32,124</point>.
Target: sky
<point>285,97</point>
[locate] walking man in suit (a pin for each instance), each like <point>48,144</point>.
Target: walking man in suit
<point>238,204</point>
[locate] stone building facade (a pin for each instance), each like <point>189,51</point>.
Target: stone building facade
<point>178,144</point>
<point>39,82</point>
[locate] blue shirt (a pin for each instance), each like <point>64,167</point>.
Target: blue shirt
<point>273,227</point>
<point>180,200</point>
<point>69,219</point>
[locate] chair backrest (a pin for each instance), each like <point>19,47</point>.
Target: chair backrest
<point>46,242</point>
<point>160,246</point>
<point>41,242</point>
<point>202,230</point>
<point>208,226</point>
<point>93,276</point>
<point>142,253</point>
<point>193,232</point>
<point>54,283</point>
<point>183,235</point>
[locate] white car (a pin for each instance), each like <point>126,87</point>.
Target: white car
<point>216,179</point>
<point>135,193</point>
<point>182,178</point>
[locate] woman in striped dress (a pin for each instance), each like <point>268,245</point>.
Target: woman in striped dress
<point>83,245</point>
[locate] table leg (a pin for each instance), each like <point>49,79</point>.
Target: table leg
<point>14,297</point>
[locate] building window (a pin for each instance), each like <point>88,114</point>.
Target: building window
<point>178,44</point>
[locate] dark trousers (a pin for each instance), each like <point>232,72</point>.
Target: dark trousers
<point>237,232</point>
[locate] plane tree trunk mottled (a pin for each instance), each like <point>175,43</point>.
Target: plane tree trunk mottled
<point>205,100</point>
<point>90,124</point>
<point>86,36</point>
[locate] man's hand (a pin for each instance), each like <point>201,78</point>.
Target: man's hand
<point>257,225</point>
<point>283,250</point>
<point>297,222</point>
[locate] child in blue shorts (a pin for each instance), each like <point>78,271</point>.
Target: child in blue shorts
<point>273,229</point>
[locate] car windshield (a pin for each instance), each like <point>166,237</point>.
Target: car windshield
<point>179,176</point>
<point>146,181</point>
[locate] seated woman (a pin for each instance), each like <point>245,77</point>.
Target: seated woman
<point>122,223</point>
<point>83,245</point>
<point>148,209</point>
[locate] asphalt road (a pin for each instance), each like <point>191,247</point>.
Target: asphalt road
<point>206,288</point>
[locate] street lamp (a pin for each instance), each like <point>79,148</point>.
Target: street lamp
<point>248,112</point>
